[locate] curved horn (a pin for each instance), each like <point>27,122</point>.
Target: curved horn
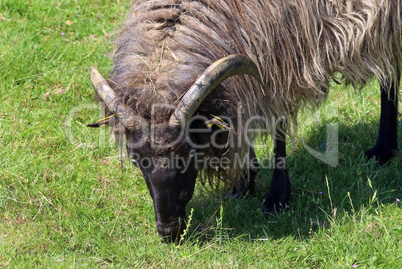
<point>216,73</point>
<point>124,113</point>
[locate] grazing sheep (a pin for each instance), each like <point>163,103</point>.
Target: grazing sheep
<point>257,63</point>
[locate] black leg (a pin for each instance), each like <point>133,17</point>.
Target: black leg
<point>387,142</point>
<point>280,191</point>
<point>245,185</point>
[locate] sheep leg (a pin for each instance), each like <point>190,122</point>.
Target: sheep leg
<point>387,141</point>
<point>245,185</point>
<point>280,191</point>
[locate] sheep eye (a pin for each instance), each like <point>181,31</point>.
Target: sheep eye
<point>134,162</point>
<point>192,153</point>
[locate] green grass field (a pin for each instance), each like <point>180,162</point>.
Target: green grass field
<point>67,202</point>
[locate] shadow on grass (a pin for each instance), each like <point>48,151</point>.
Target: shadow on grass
<point>321,193</point>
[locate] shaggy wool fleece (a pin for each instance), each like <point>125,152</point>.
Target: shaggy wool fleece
<point>298,46</point>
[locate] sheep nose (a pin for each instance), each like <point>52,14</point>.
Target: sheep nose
<point>169,232</point>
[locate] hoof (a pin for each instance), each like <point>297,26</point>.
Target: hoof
<point>244,187</point>
<point>279,194</point>
<point>237,193</point>
<point>382,153</point>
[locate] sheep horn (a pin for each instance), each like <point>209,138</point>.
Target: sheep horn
<point>216,73</point>
<point>124,113</point>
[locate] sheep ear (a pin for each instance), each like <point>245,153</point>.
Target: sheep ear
<point>218,122</point>
<point>101,122</point>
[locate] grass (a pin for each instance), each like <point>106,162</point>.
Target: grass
<point>66,201</point>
